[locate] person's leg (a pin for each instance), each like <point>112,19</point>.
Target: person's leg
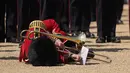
<point>2,28</point>
<point>100,30</point>
<point>48,9</point>
<point>19,18</point>
<point>107,22</point>
<point>119,11</point>
<point>93,10</point>
<point>22,16</point>
<point>111,37</point>
<point>81,17</point>
<point>64,15</point>
<point>86,18</point>
<point>26,14</point>
<point>34,11</point>
<point>29,12</point>
<point>11,21</point>
<point>74,17</point>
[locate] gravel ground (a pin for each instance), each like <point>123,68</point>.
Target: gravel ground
<point>118,52</point>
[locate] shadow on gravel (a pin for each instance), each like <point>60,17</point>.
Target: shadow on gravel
<point>109,49</point>
<point>124,15</point>
<point>7,45</point>
<point>124,37</point>
<point>121,31</point>
<point>116,32</point>
<point>9,58</point>
<point>93,27</point>
<point>99,45</point>
<point>8,50</point>
<point>85,64</point>
<point>92,63</point>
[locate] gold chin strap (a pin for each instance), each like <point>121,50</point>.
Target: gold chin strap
<point>37,25</point>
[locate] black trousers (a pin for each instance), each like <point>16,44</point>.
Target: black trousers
<point>49,9</point>
<point>120,9</point>
<point>64,15</point>
<point>28,10</point>
<point>80,15</point>
<point>8,7</point>
<point>2,28</point>
<point>93,10</point>
<point>106,18</point>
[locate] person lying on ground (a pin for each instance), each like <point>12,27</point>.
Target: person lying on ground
<point>45,50</point>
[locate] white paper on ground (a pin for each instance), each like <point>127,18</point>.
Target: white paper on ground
<point>84,54</point>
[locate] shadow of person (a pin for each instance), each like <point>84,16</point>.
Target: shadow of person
<point>9,58</point>
<point>124,37</point>
<point>109,49</point>
<point>8,50</point>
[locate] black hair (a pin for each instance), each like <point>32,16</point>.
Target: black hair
<point>42,52</point>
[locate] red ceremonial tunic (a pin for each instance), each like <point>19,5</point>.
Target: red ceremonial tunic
<point>50,25</point>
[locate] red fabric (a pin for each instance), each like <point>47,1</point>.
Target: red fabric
<point>24,47</point>
<point>50,25</point>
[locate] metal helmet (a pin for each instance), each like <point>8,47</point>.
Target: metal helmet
<point>38,26</point>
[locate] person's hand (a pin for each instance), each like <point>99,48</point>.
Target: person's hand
<point>76,57</point>
<point>59,43</point>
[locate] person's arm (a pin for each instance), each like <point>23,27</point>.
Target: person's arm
<point>53,27</point>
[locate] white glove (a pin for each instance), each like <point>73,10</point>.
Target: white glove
<point>59,43</point>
